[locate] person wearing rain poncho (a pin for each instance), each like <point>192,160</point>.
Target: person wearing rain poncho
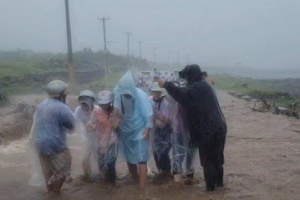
<point>161,137</point>
<point>52,119</point>
<point>206,121</point>
<point>181,142</point>
<point>135,127</point>
<point>105,120</point>
<point>83,116</point>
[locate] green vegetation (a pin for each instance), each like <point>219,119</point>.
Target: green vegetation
<point>98,85</point>
<point>18,69</point>
<point>26,71</point>
<point>281,92</point>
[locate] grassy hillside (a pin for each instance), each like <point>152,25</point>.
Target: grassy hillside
<point>21,71</point>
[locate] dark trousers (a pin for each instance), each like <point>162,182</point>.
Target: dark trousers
<point>107,164</point>
<point>161,148</point>
<point>211,152</point>
<point>162,160</point>
<point>111,172</point>
<point>213,176</point>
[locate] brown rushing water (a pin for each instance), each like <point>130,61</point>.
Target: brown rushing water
<point>262,162</point>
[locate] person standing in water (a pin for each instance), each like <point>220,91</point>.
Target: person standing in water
<point>162,130</point>
<point>52,119</point>
<point>105,120</point>
<point>181,142</point>
<point>82,114</point>
<point>135,127</point>
<point>207,123</point>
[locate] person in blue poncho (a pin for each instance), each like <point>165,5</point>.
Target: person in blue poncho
<point>135,127</point>
<point>53,119</point>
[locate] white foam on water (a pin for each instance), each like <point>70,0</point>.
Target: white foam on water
<point>14,147</point>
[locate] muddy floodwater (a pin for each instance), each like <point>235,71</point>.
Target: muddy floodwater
<point>262,162</point>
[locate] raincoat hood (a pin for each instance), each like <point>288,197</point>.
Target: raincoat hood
<point>191,73</point>
<point>141,111</point>
<point>126,85</point>
<point>89,101</point>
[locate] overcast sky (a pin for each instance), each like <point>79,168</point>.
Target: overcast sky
<point>257,33</point>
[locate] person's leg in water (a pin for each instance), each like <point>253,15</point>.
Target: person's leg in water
<point>111,158</point>
<point>133,169</point>
<point>156,148</point>
<point>219,175</point>
<point>86,166</point>
<point>156,159</point>
<point>191,152</point>
<point>111,172</point>
<point>209,176</point>
<point>165,161</point>
<point>162,148</point>
<point>178,151</point>
<point>208,166</point>
<point>59,183</point>
<point>89,150</point>
<point>219,167</point>
<point>62,165</point>
<point>47,170</point>
<point>143,170</point>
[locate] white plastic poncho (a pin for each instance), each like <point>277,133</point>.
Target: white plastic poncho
<point>181,138</point>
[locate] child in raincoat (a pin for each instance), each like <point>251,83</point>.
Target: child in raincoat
<point>83,116</point>
<point>105,120</point>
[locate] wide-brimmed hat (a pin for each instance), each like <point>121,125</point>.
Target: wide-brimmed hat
<point>155,87</point>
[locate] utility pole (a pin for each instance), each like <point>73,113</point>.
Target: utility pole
<point>128,48</point>
<point>178,59</point>
<point>154,55</point>
<point>169,58</point>
<point>69,39</point>
<point>140,48</point>
<point>105,49</point>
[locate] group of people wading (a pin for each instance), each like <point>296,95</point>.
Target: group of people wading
<point>173,121</point>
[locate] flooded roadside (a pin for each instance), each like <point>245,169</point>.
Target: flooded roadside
<point>262,162</point>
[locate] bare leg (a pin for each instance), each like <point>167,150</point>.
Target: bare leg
<point>57,186</point>
<point>49,187</point>
<point>143,170</point>
<point>133,170</point>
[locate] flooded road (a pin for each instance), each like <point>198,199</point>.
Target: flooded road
<point>262,162</point>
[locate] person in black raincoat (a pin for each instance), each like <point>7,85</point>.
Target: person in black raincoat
<point>207,123</point>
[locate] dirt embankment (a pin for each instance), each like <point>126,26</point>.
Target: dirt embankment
<point>15,123</point>
<point>16,118</point>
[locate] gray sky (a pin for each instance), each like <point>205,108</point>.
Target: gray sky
<point>257,33</point>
